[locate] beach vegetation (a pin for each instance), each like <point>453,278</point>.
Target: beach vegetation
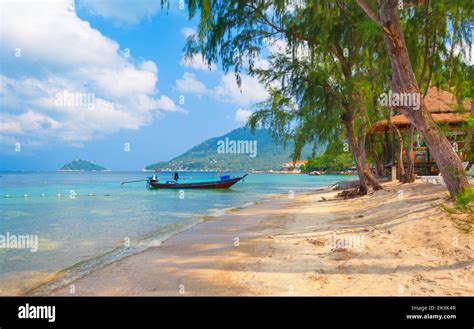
<point>332,160</point>
<point>322,79</point>
<point>329,61</point>
<point>470,121</point>
<point>465,201</point>
<point>462,212</point>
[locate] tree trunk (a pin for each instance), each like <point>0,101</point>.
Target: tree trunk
<point>355,151</point>
<point>410,172</point>
<point>446,158</point>
<point>399,154</point>
<point>370,176</point>
<point>357,144</point>
<point>363,135</point>
<point>373,181</point>
<point>376,158</point>
<point>366,178</point>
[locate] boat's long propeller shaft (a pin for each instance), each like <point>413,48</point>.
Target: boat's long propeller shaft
<point>134,181</point>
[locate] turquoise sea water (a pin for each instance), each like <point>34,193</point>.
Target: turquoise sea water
<point>95,221</point>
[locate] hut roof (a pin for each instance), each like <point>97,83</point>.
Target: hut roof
<point>441,101</point>
<point>443,106</point>
<point>402,121</point>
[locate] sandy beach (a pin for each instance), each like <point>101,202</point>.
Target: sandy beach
<point>395,242</point>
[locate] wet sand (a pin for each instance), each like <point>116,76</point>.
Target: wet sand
<point>395,242</point>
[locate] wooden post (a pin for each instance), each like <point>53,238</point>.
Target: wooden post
<point>393,173</point>
<point>387,150</point>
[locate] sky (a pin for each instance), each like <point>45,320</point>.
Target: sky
<point>106,81</point>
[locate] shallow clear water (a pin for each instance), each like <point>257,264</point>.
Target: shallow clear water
<point>111,222</point>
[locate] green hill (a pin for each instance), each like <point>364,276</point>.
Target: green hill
<point>237,150</point>
<point>82,165</point>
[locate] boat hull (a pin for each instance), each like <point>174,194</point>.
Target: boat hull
<point>203,185</point>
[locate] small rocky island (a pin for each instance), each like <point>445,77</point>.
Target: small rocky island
<point>82,165</point>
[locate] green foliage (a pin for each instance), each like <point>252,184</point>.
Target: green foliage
<point>470,121</point>
<point>82,165</point>
<point>465,200</point>
<point>462,214</point>
<point>334,159</point>
<point>315,89</point>
<point>270,155</point>
<point>430,30</point>
<point>324,162</point>
<point>307,83</point>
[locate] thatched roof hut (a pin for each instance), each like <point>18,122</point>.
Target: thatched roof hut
<point>443,106</point>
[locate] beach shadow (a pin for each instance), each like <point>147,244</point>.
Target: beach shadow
<point>365,269</point>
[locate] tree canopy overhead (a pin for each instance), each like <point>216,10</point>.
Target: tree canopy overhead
<point>335,58</point>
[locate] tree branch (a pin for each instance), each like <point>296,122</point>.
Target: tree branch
<point>343,10</point>
<point>277,28</point>
<point>427,44</point>
<point>373,15</point>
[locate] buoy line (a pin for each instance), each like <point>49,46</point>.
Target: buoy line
<point>44,195</point>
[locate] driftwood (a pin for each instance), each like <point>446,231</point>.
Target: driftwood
<point>349,194</point>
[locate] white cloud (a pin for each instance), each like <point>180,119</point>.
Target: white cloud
<point>68,56</point>
<point>198,63</point>
<point>466,53</point>
<point>189,84</point>
<point>122,11</point>
<point>242,115</point>
<point>280,46</point>
<point>277,45</point>
<point>166,103</point>
<point>65,42</point>
<point>261,63</point>
<point>249,93</point>
<point>188,31</point>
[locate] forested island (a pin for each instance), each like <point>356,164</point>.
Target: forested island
<point>82,165</point>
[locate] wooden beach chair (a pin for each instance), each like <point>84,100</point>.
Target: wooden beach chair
<point>439,180</point>
<point>435,180</point>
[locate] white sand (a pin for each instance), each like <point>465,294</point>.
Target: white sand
<point>396,242</point>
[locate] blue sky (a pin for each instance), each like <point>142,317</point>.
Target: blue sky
<point>126,57</point>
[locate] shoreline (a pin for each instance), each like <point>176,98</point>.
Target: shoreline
<point>83,268</point>
<point>38,281</point>
<point>397,237</point>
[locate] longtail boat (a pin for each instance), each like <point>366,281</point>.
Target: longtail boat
<point>224,182</point>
